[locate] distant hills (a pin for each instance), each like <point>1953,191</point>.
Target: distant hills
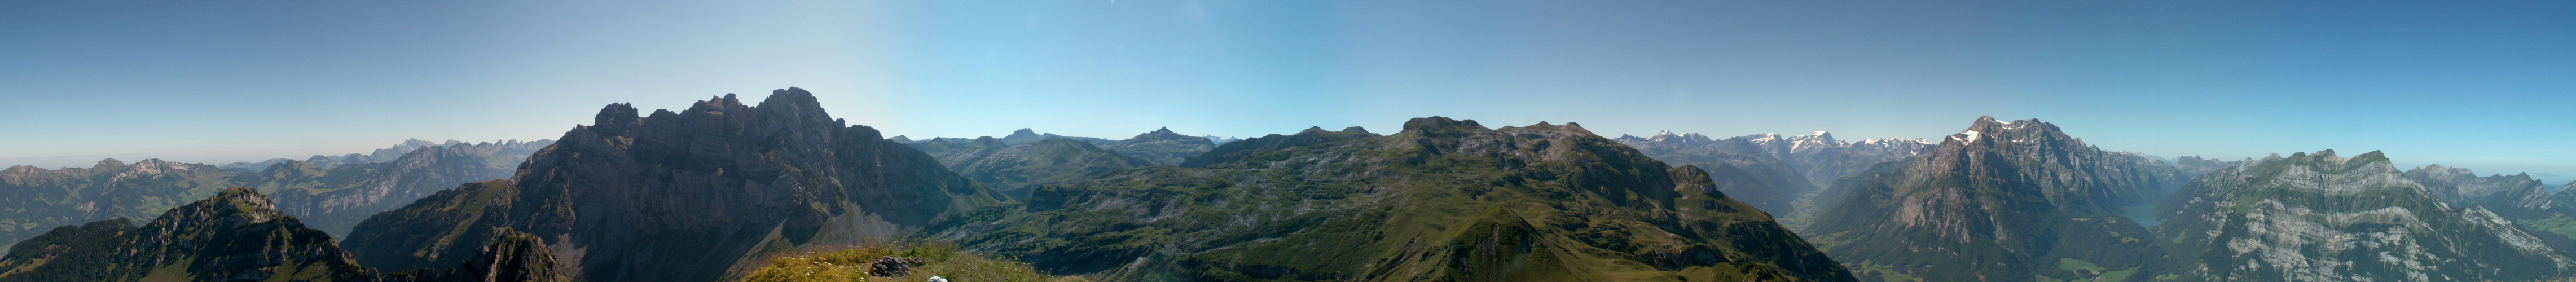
<point>1440,200</point>
<point>1161,146</point>
<point>239,235</point>
<point>332,194</point>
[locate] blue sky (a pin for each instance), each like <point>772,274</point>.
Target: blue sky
<point>2483,85</point>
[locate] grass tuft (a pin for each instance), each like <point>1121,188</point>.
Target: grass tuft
<point>852,264</point>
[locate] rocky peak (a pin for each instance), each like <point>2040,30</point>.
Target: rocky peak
<point>22,171</point>
<point>1237,150</point>
<point>1667,136</point>
<point>1220,140</point>
<point>1439,126</point>
<point>1023,135</point>
<point>685,196</point>
<point>109,164</point>
<point>237,202</point>
<point>1162,134</point>
<point>1996,200</point>
<point>1819,136</point>
<point>2019,131</point>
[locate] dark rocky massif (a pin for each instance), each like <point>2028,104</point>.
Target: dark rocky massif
<point>1442,200</point>
<point>1997,202</point>
<point>701,194</point>
<point>236,235</point>
<point>2322,217</point>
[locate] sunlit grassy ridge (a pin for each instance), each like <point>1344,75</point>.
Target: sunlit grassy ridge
<point>1442,200</point>
<point>852,264</point>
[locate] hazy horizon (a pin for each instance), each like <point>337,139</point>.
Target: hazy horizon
<point>2478,85</point>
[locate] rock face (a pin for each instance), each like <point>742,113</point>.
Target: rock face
<point>2321,217</point>
<point>1999,201</point>
<point>695,195</point>
<point>1445,200</point>
<point>1014,169</point>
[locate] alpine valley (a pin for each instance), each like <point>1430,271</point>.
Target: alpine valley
<point>777,189</point>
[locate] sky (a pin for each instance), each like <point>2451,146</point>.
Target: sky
<point>2484,85</point>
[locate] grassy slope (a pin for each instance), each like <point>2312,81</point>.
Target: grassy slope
<point>853,263</point>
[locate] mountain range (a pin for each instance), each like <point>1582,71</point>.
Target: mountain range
<point>239,235</point>
<point>715,191</point>
<point>1443,199</point>
<point>1786,172</point>
<point>333,195</point>
<point>1998,201</point>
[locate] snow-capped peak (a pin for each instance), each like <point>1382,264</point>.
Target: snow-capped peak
<point>1970,136</point>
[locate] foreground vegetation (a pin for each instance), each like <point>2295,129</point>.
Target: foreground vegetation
<point>941,259</point>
